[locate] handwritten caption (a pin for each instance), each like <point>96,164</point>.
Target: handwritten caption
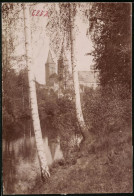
<point>39,13</point>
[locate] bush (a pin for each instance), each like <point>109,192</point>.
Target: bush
<point>59,115</point>
<point>107,109</point>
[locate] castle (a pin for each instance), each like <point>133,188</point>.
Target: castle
<point>62,79</point>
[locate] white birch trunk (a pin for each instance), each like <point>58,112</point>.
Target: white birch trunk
<point>79,113</point>
<point>33,97</point>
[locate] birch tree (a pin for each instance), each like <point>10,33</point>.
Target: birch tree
<point>68,26</point>
<point>79,114</point>
<point>33,98</point>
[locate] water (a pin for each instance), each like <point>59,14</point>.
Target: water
<point>21,165</point>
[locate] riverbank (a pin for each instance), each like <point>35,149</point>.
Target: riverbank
<point>106,168</point>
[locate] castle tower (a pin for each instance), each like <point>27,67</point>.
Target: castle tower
<point>50,67</point>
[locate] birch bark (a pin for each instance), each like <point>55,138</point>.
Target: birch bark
<point>79,114</point>
<point>33,98</point>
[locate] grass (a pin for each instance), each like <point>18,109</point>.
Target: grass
<point>106,168</point>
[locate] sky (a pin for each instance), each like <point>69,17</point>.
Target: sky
<point>84,45</point>
<point>40,44</point>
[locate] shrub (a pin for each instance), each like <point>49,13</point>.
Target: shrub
<point>107,109</point>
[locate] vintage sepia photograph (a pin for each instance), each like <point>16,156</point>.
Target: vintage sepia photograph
<point>66,98</point>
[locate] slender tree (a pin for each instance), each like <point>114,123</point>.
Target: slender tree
<point>66,22</point>
<point>80,118</point>
<point>33,98</point>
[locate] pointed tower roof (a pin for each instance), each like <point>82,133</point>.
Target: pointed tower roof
<point>49,58</point>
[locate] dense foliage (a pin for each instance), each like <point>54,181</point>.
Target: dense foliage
<point>110,26</point>
<point>109,109</point>
<point>58,116</point>
<point>16,106</point>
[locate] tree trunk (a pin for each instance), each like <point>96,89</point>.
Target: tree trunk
<point>33,98</point>
<point>79,114</point>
